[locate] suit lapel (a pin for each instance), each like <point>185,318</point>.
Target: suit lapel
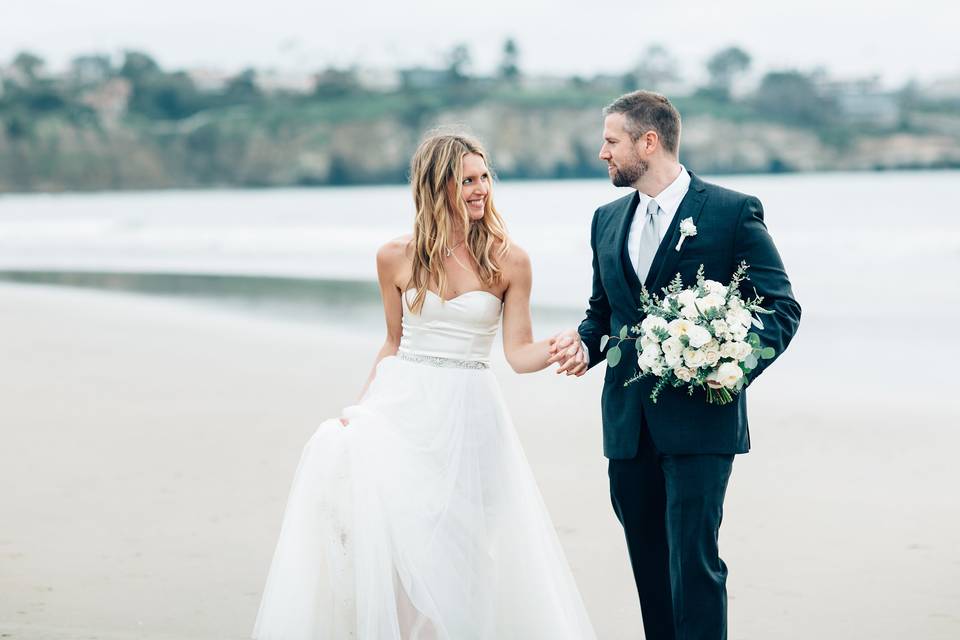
<point>631,281</point>
<point>665,262</point>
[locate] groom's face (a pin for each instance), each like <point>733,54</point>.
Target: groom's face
<point>624,164</point>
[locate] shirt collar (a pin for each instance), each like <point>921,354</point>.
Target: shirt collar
<point>669,199</point>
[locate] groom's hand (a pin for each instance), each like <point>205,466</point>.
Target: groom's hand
<point>567,350</point>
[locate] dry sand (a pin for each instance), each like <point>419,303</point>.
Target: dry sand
<point>147,446</point>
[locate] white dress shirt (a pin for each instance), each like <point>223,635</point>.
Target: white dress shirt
<point>669,201</point>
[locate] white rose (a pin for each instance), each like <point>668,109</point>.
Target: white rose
<point>679,327</point>
<point>687,297</point>
<point>687,227</point>
<point>689,312</point>
<point>694,358</point>
<point>720,328</point>
<point>683,373</point>
<point>650,323</point>
<point>715,287</point>
<point>672,346</point>
<point>743,317</point>
<point>736,350</point>
<point>730,350</point>
<point>650,345</point>
<point>710,301</point>
<point>646,361</point>
<point>736,317</point>
<point>728,374</point>
<point>672,352</point>
<point>698,336</point>
<point>712,354</point>
<point>738,332</point>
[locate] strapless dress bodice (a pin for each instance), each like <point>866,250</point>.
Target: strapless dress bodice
<point>462,328</point>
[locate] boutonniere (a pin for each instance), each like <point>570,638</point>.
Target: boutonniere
<point>687,228</point>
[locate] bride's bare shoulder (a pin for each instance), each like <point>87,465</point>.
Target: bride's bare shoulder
<point>393,261</point>
<point>515,259</point>
<point>515,263</point>
<point>395,251</point>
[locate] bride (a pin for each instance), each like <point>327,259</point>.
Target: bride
<point>415,516</point>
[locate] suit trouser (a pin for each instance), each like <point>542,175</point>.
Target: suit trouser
<point>671,507</point>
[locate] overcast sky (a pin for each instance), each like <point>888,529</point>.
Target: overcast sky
<point>854,38</point>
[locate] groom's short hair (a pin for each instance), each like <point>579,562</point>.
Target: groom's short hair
<point>648,111</point>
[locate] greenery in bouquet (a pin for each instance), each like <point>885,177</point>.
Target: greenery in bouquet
<point>696,336</point>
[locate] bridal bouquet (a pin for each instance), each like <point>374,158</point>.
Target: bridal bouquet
<point>697,336</point>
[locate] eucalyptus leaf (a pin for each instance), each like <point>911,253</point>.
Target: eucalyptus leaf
<point>603,342</point>
<point>751,362</point>
<point>753,340</point>
<point>767,353</point>
<point>623,332</point>
<point>613,356</point>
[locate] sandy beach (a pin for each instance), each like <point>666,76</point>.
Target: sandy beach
<point>147,446</point>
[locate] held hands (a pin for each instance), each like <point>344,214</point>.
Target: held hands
<point>567,350</point>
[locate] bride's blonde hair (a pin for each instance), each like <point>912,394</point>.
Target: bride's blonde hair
<point>437,162</point>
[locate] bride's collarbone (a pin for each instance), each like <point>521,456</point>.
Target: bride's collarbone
<point>456,289</point>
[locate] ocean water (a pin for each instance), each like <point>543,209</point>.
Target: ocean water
<point>874,259</point>
<point>855,244</point>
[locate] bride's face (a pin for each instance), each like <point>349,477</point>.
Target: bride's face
<point>474,187</point>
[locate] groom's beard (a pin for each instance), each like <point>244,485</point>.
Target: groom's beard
<point>628,175</point>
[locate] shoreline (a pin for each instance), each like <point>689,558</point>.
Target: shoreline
<point>599,177</point>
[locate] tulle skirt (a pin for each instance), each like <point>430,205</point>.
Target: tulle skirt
<point>421,520</point>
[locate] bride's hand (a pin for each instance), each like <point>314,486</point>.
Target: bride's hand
<point>567,350</point>
<point>562,342</point>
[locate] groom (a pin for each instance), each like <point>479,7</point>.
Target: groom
<point>669,461</point>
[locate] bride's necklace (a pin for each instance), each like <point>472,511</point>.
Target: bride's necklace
<point>450,253</point>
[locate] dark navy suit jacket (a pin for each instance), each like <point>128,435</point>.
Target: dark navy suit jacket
<point>730,228</point>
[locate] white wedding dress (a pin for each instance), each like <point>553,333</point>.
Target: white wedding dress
<point>421,520</point>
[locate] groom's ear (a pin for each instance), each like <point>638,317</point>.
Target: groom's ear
<point>649,142</point>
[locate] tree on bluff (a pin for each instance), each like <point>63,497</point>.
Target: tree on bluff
<point>792,97</point>
<point>656,67</point>
<point>509,68</point>
<point>724,66</point>
<point>157,94</point>
<point>29,66</point>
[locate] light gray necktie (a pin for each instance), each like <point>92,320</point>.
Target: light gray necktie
<point>649,240</point>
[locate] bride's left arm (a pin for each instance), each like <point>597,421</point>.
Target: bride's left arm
<point>523,354</point>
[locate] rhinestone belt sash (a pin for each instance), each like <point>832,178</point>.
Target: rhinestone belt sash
<point>435,361</point>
